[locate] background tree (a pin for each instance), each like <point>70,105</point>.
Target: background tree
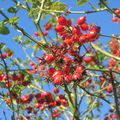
<point>59,65</point>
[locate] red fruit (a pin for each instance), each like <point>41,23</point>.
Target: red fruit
<point>43,107</point>
<point>102,79</point>
<point>68,23</point>
<point>56,90</point>
<point>76,31</point>
<point>67,60</point>
<point>25,83</point>
<point>25,99</point>
<point>81,20</point>
<point>37,34</point>
<point>66,69</point>
<point>88,59</point>
<point>45,33</point>
<point>95,28</point>
<point>48,26</point>
<point>62,96</point>
<point>64,102</point>
<point>52,104</point>
<point>62,20</point>
<point>47,94</point>
<point>80,69</point>
<point>118,69</point>
<point>57,72</point>
<point>8,84</point>
<point>55,114</point>
<point>58,103</point>
<point>83,39</point>
<point>50,71</point>
<point>109,88</point>
<point>87,83</point>
<point>84,27</point>
<point>115,19</point>
<point>32,63</point>
<point>68,41</point>
<point>91,35</point>
<point>76,76</point>
<point>20,119</point>
<point>10,53</point>
<point>58,79</point>
<point>4,56</point>
<point>28,117</point>
<point>63,33</point>
<point>4,77</point>
<point>59,28</point>
<point>114,116</point>
<point>38,105</point>
<point>49,58</point>
<point>117,11</point>
<point>68,78</point>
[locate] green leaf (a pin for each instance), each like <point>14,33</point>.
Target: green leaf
<point>7,49</point>
<point>12,10</point>
<point>4,22</point>
<point>58,6</point>
<point>14,20</point>
<point>4,30</point>
<point>2,45</point>
<point>30,1</point>
<point>82,2</point>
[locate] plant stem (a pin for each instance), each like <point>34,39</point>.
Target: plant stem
<point>92,94</point>
<point>37,21</point>
<point>7,75</point>
<point>115,96</point>
<point>109,9</point>
<point>104,52</point>
<point>75,12</point>
<point>76,110</point>
<point>116,37</point>
<point>102,70</point>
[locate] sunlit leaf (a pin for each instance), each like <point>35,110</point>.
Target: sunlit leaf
<point>82,2</point>
<point>58,6</point>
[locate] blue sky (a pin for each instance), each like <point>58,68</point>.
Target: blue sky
<point>102,19</point>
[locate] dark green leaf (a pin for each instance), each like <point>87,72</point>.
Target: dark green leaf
<point>4,30</point>
<point>4,22</point>
<point>12,10</point>
<point>82,2</point>
<point>2,84</point>
<point>2,45</point>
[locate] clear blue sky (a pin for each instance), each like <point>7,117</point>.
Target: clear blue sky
<point>103,19</point>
